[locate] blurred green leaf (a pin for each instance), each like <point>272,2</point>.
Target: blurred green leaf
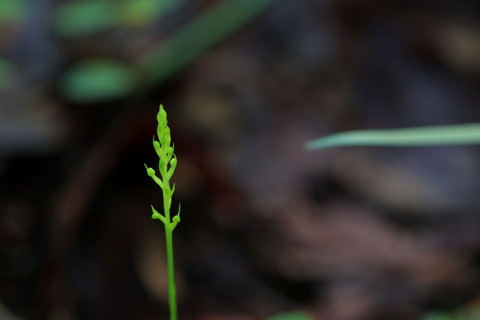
<point>187,44</point>
<point>84,17</point>
<point>98,80</point>
<point>291,316</point>
<point>12,10</point>
<point>468,313</point>
<point>421,136</point>
<point>471,314</point>
<point>437,316</point>
<point>7,70</point>
<point>142,12</point>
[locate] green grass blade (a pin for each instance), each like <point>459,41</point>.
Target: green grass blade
<point>460,134</point>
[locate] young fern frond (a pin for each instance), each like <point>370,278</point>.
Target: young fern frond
<point>167,163</point>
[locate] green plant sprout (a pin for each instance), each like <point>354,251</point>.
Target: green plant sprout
<point>166,167</point>
<point>460,134</point>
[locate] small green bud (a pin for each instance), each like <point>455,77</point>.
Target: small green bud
<point>150,172</point>
<point>176,219</point>
<point>173,162</point>
<point>157,215</point>
<point>162,163</point>
<point>157,146</point>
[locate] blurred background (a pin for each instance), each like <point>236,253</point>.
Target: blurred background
<point>267,227</point>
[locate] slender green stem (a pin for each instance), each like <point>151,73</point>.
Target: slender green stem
<point>172,296</point>
<point>166,166</point>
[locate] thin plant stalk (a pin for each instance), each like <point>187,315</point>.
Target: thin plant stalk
<point>166,167</point>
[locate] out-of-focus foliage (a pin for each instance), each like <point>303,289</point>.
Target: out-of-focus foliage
<point>98,80</point>
<point>78,18</point>
<point>468,314</point>
<point>141,12</point>
<point>291,316</point>
<point>198,35</point>
<point>85,84</point>
<point>437,316</point>
<point>83,17</point>
<point>12,10</point>
<point>435,135</point>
